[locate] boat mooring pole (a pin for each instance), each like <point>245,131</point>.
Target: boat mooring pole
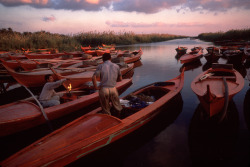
<point>226,100</point>
<point>41,107</point>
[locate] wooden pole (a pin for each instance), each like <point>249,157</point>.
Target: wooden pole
<point>41,107</point>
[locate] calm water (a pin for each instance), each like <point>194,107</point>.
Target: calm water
<point>186,141</point>
<point>179,137</point>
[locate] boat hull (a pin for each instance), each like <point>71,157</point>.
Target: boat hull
<point>210,87</point>
<point>92,131</point>
<point>22,117</point>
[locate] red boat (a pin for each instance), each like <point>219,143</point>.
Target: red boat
<point>25,114</point>
<point>191,56</point>
<point>94,130</point>
<point>213,54</point>
<point>131,56</point>
<point>181,50</point>
<point>43,56</point>
<point>217,86</point>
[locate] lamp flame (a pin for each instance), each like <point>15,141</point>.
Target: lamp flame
<point>69,87</point>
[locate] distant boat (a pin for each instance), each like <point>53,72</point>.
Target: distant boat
<point>216,86</point>
<point>181,50</point>
<point>192,56</point>
<point>94,130</point>
<point>213,54</point>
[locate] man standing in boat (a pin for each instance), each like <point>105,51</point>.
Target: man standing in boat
<point>48,96</point>
<point>109,74</point>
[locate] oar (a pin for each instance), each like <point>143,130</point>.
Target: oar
<point>226,100</point>
<point>41,107</point>
<point>59,76</point>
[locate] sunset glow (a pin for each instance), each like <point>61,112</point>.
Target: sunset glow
<point>139,16</point>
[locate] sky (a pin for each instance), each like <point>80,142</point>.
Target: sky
<point>178,17</point>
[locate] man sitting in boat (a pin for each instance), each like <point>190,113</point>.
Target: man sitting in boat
<point>48,96</point>
<point>109,73</point>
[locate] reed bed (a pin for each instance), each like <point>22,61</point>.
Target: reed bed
<point>16,41</point>
<point>243,34</point>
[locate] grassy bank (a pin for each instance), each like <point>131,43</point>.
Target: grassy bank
<point>12,41</point>
<point>243,34</point>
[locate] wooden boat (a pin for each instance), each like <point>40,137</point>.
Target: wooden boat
<point>131,56</point>
<point>181,50</point>
<point>84,48</point>
<point>94,130</point>
<point>234,56</point>
<point>78,76</point>
<point>213,49</point>
<point>26,64</point>
<point>43,56</point>
<point>191,56</point>
<point>36,78</point>
<point>25,114</point>
<point>75,53</point>
<point>196,48</point>
<point>216,86</point>
<point>213,54</point>
<point>79,80</point>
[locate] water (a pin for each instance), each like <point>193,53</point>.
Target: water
<point>182,139</point>
<point>178,138</point>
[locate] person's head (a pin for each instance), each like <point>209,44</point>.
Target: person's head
<point>106,56</point>
<point>49,78</point>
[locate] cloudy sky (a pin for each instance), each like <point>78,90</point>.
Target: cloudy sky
<point>180,17</point>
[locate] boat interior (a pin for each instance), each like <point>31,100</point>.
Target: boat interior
<point>141,99</point>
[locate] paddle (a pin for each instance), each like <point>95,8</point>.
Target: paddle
<point>226,100</point>
<point>41,107</point>
<point>59,76</point>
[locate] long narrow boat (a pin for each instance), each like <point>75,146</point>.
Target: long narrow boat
<point>191,56</point>
<point>216,86</point>
<point>131,56</point>
<point>78,76</point>
<point>25,114</point>
<point>94,130</point>
<point>43,56</point>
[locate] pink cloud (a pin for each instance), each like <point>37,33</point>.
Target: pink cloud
<point>142,6</point>
<point>49,18</point>
<point>155,24</point>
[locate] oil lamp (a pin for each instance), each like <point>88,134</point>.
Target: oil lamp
<point>69,89</point>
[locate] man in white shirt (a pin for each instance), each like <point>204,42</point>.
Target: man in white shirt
<point>48,96</point>
<point>109,73</point>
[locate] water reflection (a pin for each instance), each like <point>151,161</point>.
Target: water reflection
<point>206,66</point>
<point>137,64</point>
<point>212,143</point>
<point>239,67</point>
<point>247,109</point>
<point>124,152</point>
<point>191,66</point>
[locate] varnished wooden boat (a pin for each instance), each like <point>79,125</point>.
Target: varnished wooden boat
<point>131,56</point>
<point>35,78</point>
<point>77,76</point>
<point>94,131</point>
<point>25,114</point>
<point>84,48</point>
<point>43,56</point>
<point>26,65</point>
<point>181,50</point>
<point>79,80</point>
<point>213,54</point>
<point>216,86</point>
<point>191,56</point>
